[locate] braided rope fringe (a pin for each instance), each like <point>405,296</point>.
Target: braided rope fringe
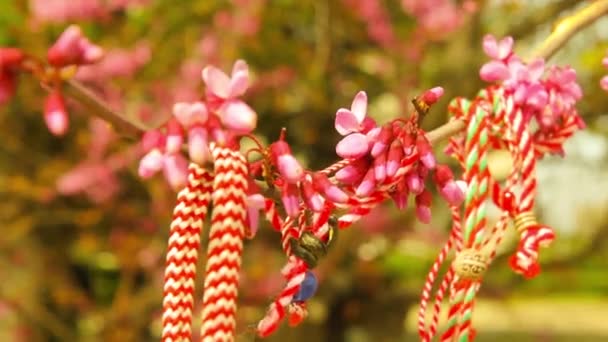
<point>228,221</point>
<point>182,255</point>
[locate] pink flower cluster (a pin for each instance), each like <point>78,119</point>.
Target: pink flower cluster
<point>438,18</point>
<point>393,159</point>
<point>96,176</point>
<point>379,26</point>
<point>546,94</point>
<point>116,63</point>
<point>220,119</point>
<point>72,48</point>
<point>60,11</point>
<point>396,154</point>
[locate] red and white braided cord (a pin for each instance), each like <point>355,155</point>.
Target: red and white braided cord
<point>455,239</point>
<point>228,222</point>
<point>184,242</point>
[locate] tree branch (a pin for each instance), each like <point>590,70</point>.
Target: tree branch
<point>568,27</point>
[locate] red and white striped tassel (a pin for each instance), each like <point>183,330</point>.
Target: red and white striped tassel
<point>225,248</point>
<point>455,240</point>
<point>533,236</point>
<point>184,241</point>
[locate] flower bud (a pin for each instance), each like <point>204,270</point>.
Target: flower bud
<point>175,168</point>
<point>380,168</point>
<point>151,163</point>
<point>198,144</point>
<point>286,163</point>
<point>383,140</point>
<point>426,152</point>
<point>312,198</point>
<point>238,116</point>
<point>353,173</point>
<point>290,199</point>
<point>55,115</point>
<point>175,139</point>
<point>152,139</point>
<point>367,185</point>
<point>423,206</point>
<point>323,185</point>
<point>393,162</point>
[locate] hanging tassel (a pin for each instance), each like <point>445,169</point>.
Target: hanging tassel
<point>225,248</point>
<point>184,240</point>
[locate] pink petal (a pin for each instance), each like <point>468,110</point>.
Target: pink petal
<point>359,106</point>
<point>238,116</point>
<point>367,184</point>
<point>490,46</point>
<point>605,61</point>
<point>290,199</point>
<point>255,202</point>
<point>253,218</point>
<point>414,184</point>
<point>239,83</point>
<point>175,168</point>
<point>494,71</point>
<point>604,83</point>
<point>217,81</point>
<point>400,199</point>
<point>452,194</point>
<point>380,168</point>
<point>349,174</point>
<point>536,69</point>
<point>150,164</point>
<point>346,122</point>
<point>537,96</point>
<point>423,213</point>
<point>189,114</point>
<point>428,160</point>
<point>312,198</point>
<point>198,148</point>
<point>290,168</point>
<point>505,47</point>
<point>240,66</point>
<point>432,95</point>
<point>353,146</point>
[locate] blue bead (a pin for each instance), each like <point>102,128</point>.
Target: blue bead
<point>307,289</point>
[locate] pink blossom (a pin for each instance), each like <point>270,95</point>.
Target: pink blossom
<point>73,48</point>
<point>354,126</point>
<point>223,93</point>
<point>498,50</point>
<point>59,11</point>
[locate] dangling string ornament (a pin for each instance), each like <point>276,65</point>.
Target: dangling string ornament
<point>226,188</point>
<point>182,255</point>
<point>493,121</point>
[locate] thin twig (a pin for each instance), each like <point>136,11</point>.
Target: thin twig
<point>98,107</point>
